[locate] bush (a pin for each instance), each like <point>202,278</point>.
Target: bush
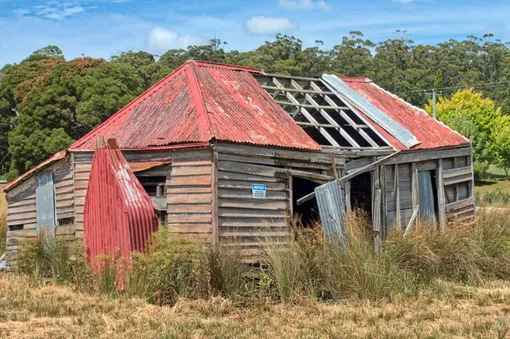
<point>493,197</point>
<point>172,267</point>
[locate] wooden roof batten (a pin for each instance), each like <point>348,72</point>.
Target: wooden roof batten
<point>311,104</point>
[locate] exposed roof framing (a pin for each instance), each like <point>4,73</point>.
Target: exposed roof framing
<point>320,112</point>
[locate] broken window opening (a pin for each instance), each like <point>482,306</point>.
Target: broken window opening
<point>153,185</point>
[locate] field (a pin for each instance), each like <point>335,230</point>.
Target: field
<point>59,312</point>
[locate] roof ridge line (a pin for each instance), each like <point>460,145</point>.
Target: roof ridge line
<point>200,102</point>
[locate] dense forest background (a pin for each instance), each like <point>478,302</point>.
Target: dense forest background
<point>47,102</point>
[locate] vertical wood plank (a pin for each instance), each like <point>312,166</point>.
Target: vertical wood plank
<point>376,209</point>
<point>414,186</point>
<point>384,213</point>
<point>214,202</point>
<point>441,195</point>
<point>347,189</point>
<point>291,197</point>
<point>457,197</point>
<point>396,197</point>
<point>471,192</point>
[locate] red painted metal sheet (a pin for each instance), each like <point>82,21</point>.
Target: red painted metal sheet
<point>119,216</point>
<point>200,102</point>
<point>429,132</point>
<point>54,158</point>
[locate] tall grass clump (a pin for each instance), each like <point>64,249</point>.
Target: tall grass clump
<point>230,276</point>
<point>465,252</point>
<point>172,267</point>
<point>493,197</point>
<point>312,266</point>
<point>48,259</point>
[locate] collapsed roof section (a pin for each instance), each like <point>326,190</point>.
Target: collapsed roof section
<point>313,105</point>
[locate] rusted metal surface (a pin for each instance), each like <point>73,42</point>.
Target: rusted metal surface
<point>331,210</point>
<point>429,132</point>
<point>58,156</point>
<point>146,165</point>
<point>119,216</point>
<point>200,102</point>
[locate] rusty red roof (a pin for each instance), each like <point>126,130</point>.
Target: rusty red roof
<point>429,132</point>
<point>200,102</point>
<point>119,216</point>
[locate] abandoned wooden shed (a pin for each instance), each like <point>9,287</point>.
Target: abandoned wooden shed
<point>232,152</point>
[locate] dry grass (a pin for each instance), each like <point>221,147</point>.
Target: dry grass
<point>59,312</point>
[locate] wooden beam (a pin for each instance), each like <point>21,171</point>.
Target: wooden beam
<point>309,116</point>
<point>326,116</point>
<point>441,201</point>
<point>396,192</point>
<point>298,104</point>
<point>368,168</point>
<point>286,89</point>
<point>350,121</point>
<point>414,156</point>
<point>410,225</point>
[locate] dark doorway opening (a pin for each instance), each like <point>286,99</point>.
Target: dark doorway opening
<point>427,188</point>
<point>361,193</point>
<point>308,212</point>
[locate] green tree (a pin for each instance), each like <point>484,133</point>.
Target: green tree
<point>474,116</point>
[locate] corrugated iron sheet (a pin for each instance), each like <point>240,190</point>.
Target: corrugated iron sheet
<point>429,132</point>
<point>144,166</point>
<point>45,202</point>
<point>199,102</point>
<point>352,98</point>
<point>119,216</point>
<point>331,210</point>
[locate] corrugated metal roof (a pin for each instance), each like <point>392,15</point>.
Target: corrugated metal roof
<point>200,102</point>
<point>54,158</point>
<point>119,216</point>
<point>429,132</point>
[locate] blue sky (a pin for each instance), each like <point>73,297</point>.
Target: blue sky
<point>102,28</point>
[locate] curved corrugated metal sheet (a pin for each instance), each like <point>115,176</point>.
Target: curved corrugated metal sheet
<point>200,102</point>
<point>429,132</point>
<point>119,216</point>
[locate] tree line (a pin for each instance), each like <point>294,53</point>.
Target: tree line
<point>47,102</point>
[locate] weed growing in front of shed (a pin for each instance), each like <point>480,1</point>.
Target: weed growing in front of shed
<point>48,259</point>
<point>172,267</point>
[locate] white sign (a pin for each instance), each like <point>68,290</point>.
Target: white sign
<point>258,191</point>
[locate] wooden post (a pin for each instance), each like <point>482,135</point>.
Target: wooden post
<point>441,200</point>
<point>384,214</point>
<point>414,187</point>
<point>376,210</point>
<point>214,202</point>
<point>396,197</point>
<point>347,188</point>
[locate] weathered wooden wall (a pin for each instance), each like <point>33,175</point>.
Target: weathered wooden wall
<point>22,208</point>
<point>188,187</point>
<point>247,221</point>
<point>454,183</point>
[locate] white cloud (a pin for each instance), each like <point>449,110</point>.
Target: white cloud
<point>268,25</point>
<point>305,4</point>
<point>160,39</point>
<point>53,10</point>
